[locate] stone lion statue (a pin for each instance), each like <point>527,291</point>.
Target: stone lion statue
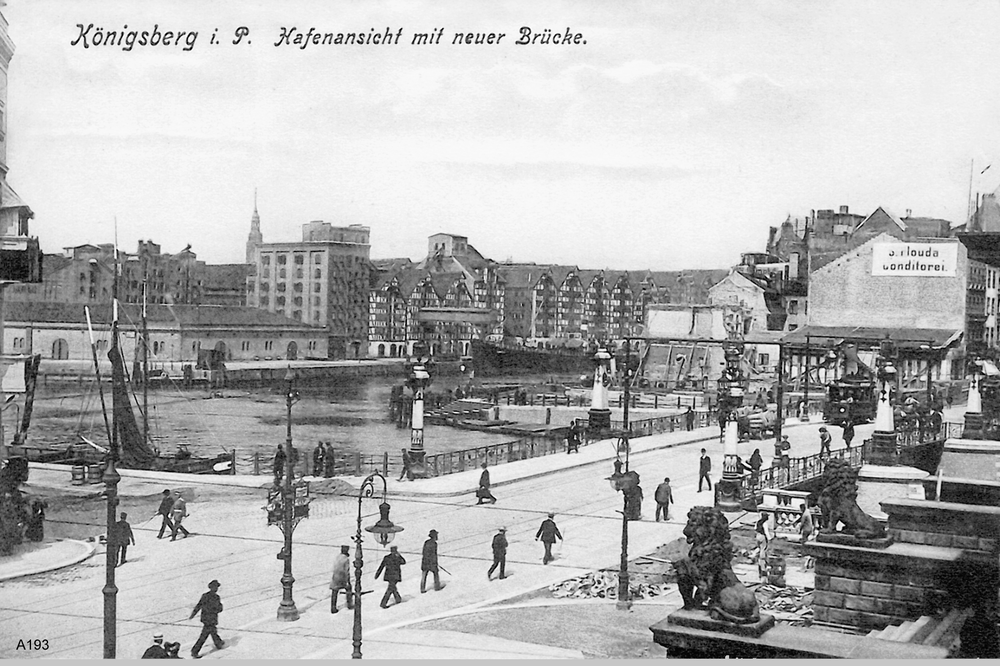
<point>838,503</point>
<point>705,577</point>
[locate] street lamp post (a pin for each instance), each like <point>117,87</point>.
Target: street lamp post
<point>384,532</point>
<point>973,426</point>
<point>418,380</point>
<point>805,388</point>
<point>599,415</point>
<point>884,438</point>
<point>626,482</point>
<point>287,612</point>
<point>729,491</point>
<point>111,479</point>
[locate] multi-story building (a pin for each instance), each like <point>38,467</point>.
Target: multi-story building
<point>321,281</point>
<point>451,297</point>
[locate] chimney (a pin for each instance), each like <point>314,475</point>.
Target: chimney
<point>843,210</point>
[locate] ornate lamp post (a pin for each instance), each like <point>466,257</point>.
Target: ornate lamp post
<point>884,438</point>
<point>111,479</point>
<point>729,490</point>
<point>625,482</point>
<point>600,414</point>
<point>286,507</point>
<point>419,378</point>
<point>384,532</point>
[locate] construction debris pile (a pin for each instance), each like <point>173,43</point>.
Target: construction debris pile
<point>604,585</point>
<point>790,605</point>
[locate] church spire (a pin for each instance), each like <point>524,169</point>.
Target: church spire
<point>255,239</point>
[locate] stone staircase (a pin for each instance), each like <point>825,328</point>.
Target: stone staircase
<point>926,630</point>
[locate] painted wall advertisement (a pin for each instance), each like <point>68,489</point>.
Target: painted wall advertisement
<point>915,259</point>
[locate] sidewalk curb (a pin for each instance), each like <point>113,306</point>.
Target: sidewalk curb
<point>91,547</point>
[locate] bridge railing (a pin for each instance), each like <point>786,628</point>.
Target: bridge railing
<point>792,471</point>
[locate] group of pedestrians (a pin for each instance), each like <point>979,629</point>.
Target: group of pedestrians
<point>172,511</point>
<point>324,461</point>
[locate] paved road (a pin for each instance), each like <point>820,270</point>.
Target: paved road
<point>163,580</point>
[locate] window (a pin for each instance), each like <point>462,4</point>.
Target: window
<point>268,345</point>
<point>792,327</point>
<point>298,273</point>
<point>245,345</point>
<point>282,274</point>
<point>316,288</point>
<point>317,258</point>
<point>318,274</point>
<point>762,359</point>
<point>793,307</point>
<point>282,259</point>
<point>299,259</point>
<point>265,301</point>
<point>297,287</point>
<point>297,314</point>
<point>316,300</point>
<point>279,301</point>
<point>281,287</point>
<point>266,260</point>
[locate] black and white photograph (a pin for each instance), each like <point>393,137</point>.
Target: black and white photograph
<point>468,330</point>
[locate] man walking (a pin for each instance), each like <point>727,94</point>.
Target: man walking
<point>824,441</point>
<point>499,554</point>
<point>483,493</point>
<point>318,455</point>
<point>429,562</point>
<point>210,606</point>
<point>805,524</point>
<point>406,466</point>
<point>329,461</point>
<point>121,539</point>
<point>664,497</point>
<point>689,418</point>
<point>704,468</point>
<point>848,433</point>
<point>341,578</point>
<point>392,566</point>
<point>166,505</point>
<point>179,513</point>
<point>573,437</point>
<point>279,465</point>
<point>548,533</point>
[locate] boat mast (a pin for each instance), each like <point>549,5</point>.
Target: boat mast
<point>145,360</point>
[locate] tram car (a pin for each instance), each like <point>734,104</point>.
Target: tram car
<point>848,400</point>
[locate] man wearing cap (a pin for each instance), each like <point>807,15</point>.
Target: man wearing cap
<point>121,538</point>
<point>210,606</point>
<point>664,497</point>
<point>499,553</point>
<point>392,565</point>
<point>156,650</point>
<point>166,505</point>
<point>179,512</point>
<point>341,578</point>
<point>824,441</point>
<point>548,533</point>
<point>429,562</point>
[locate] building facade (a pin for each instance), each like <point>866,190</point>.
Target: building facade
<point>322,281</point>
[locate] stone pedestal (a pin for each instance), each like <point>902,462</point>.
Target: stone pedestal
<point>877,483</point>
<point>701,619</point>
<point>599,419</point>
<point>973,426</point>
<point>883,450</point>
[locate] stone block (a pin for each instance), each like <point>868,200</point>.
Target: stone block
<point>860,603</point>
<point>911,536</point>
<point>938,539</point>
<point>821,613</point>
<point>699,619</point>
<point>895,534</point>
<point>843,616</point>
<point>907,593</point>
<point>893,608</point>
<point>845,585</point>
<point>989,545</point>
<point>876,589</point>
<point>821,582</point>
<point>829,599</point>
<point>869,621</point>
<point>966,542</point>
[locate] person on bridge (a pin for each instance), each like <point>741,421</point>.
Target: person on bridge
<point>210,606</point>
<point>756,462</point>
<point>499,554</point>
<point>704,468</point>
<point>805,524</point>
<point>848,432</point>
<point>824,441</point>
<point>318,454</point>
<point>166,505</point>
<point>392,565</point>
<point>780,457</point>
<point>548,533</point>
<point>764,535</point>
<point>689,418</point>
<point>429,562</point>
<point>483,492</point>
<point>329,461</point>
<point>279,465</point>
<point>341,579</point>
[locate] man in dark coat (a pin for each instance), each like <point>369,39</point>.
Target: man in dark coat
<point>341,579</point>
<point>166,505</point>
<point>429,562</point>
<point>704,468</point>
<point>392,566</point>
<point>405,472</point>
<point>318,454</point>
<point>279,465</point>
<point>548,533</point>
<point>573,437</point>
<point>689,418</point>
<point>848,433</point>
<point>499,553</point>
<point>121,538</point>
<point>483,493</point>
<point>664,498</point>
<point>156,650</point>
<point>210,606</point>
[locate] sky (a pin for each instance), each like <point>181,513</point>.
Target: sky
<point>672,139</point>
